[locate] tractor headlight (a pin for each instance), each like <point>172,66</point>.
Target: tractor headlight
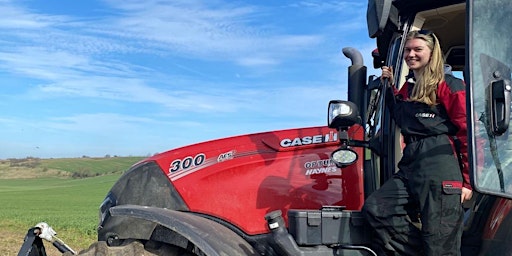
<point>342,114</point>
<point>343,157</point>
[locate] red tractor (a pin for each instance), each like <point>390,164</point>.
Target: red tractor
<point>300,191</point>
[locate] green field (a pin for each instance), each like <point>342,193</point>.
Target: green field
<point>69,205</point>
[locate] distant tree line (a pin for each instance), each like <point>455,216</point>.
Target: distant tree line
<point>85,173</point>
<point>30,162</point>
<point>74,170</point>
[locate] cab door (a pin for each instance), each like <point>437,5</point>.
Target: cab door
<point>488,74</point>
<point>489,55</point>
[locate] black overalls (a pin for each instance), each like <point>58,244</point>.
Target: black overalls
<point>426,189</point>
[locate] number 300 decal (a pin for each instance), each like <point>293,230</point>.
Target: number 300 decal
<point>187,162</point>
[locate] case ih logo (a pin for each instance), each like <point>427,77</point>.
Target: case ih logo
<point>308,140</point>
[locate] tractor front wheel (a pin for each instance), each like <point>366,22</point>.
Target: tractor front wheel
<point>132,248</point>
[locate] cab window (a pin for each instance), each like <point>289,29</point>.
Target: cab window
<point>490,59</point>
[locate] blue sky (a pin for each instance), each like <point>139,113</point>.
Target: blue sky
<point>133,78</point>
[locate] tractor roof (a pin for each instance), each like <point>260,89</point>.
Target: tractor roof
<point>448,23</point>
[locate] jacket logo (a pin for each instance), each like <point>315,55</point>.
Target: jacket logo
<point>425,115</point>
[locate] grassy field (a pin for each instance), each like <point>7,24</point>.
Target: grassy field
<point>47,192</point>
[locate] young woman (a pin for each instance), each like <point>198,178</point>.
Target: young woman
<point>419,210</point>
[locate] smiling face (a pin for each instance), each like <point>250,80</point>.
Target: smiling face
<point>417,53</point>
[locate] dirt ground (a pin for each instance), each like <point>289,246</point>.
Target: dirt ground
<point>11,241</point>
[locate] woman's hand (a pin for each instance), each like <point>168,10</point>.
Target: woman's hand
<point>466,195</point>
<point>387,72</point>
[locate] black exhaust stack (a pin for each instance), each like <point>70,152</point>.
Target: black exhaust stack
<point>356,79</point>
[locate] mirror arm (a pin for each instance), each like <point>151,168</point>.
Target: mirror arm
<point>358,143</point>
<point>346,141</point>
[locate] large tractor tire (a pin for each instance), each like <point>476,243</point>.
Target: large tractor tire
<point>132,248</point>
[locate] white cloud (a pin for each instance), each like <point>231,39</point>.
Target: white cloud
<point>257,61</point>
<point>14,17</point>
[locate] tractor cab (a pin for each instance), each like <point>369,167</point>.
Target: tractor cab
<point>473,37</point>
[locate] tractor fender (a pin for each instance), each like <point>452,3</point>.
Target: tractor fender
<point>210,237</point>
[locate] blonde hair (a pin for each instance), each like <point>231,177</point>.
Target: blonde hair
<point>432,74</point>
